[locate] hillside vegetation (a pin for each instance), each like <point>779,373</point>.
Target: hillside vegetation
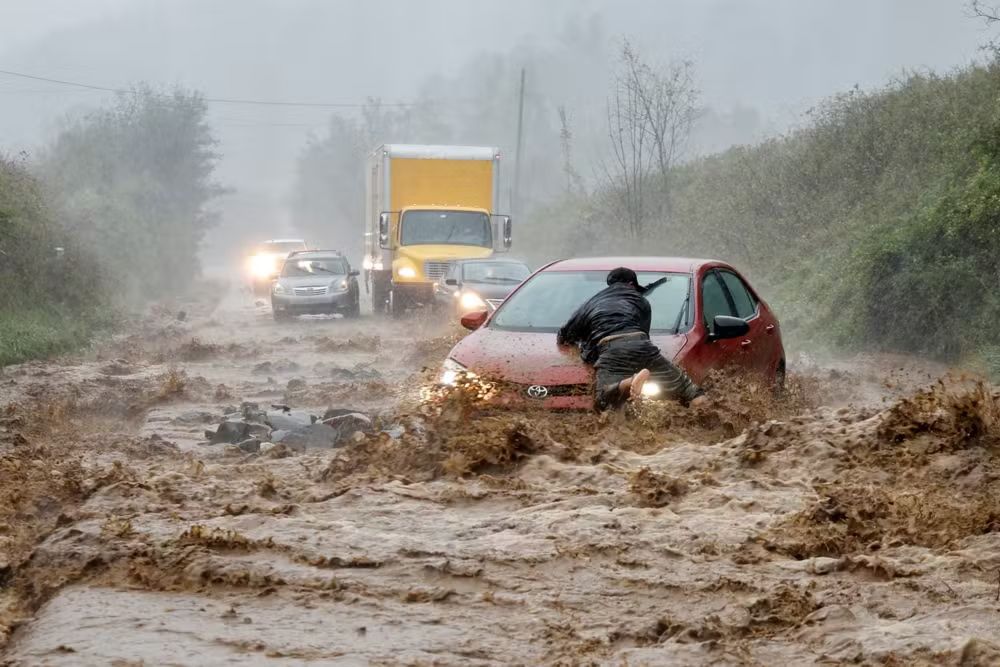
<point>107,217</point>
<point>875,226</point>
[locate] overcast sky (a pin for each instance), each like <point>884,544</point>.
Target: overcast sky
<point>776,57</point>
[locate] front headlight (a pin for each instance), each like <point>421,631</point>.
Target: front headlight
<point>279,289</point>
<point>451,370</point>
<point>472,301</point>
<point>651,389</point>
<point>262,265</point>
<point>338,285</point>
<point>407,272</point>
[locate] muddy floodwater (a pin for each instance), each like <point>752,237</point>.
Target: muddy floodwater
<point>856,520</point>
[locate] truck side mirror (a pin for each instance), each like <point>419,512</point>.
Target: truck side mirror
<point>383,230</point>
<point>507,235</point>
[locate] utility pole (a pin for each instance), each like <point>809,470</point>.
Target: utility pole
<point>515,199</point>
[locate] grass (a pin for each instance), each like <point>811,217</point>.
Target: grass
<point>40,333</point>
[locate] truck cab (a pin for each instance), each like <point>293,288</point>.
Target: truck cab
<point>427,206</point>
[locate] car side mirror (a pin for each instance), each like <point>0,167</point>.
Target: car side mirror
<point>474,320</point>
<point>353,272</point>
<point>383,230</point>
<point>451,281</point>
<point>726,326</point>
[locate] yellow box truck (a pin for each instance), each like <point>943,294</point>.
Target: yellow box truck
<point>427,205</point>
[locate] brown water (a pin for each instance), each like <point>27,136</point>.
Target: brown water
<point>851,522</point>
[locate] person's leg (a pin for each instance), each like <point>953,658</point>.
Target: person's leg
<point>673,381</point>
<point>607,387</point>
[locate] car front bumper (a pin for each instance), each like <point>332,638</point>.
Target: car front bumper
<point>319,303</point>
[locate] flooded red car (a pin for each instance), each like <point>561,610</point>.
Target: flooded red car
<point>705,316</point>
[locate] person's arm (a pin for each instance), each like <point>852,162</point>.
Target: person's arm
<point>572,333</point>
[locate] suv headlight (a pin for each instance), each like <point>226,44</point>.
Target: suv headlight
<point>279,289</point>
<point>450,370</point>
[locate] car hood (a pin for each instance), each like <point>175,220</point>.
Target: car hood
<point>533,357</point>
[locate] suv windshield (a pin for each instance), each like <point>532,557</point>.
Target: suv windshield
<point>446,228</point>
<point>509,273</point>
<point>282,247</point>
<point>315,266</point>
<point>547,301</point>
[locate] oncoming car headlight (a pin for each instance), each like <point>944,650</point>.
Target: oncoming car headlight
<point>407,272</point>
<point>472,301</point>
<point>450,371</point>
<point>279,288</point>
<point>263,265</point>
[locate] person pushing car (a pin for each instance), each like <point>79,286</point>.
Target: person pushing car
<point>612,332</point>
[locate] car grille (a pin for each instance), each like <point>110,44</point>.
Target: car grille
<point>494,303</point>
<point>435,270</point>
<point>310,291</point>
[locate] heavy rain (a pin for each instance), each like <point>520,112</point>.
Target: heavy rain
<point>436,332</point>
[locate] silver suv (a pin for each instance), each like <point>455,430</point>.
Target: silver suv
<point>313,282</point>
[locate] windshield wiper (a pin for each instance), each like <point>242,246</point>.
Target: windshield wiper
<point>320,268</point>
<point>682,313</point>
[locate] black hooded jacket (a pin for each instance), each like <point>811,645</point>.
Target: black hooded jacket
<point>617,309</point>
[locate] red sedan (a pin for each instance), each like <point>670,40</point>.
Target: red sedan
<point>705,316</point>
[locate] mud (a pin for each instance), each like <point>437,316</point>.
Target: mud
<point>851,520</point>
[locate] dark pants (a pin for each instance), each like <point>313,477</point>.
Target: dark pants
<point>621,359</point>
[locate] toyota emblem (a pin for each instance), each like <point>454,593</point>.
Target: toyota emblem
<point>537,391</point>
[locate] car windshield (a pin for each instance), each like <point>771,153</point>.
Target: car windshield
<point>446,228</point>
<point>282,247</point>
<point>547,301</point>
<point>317,266</point>
<point>509,273</point>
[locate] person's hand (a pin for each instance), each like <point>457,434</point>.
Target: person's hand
<point>699,401</point>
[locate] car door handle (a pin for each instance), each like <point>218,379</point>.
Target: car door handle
<point>769,329</point>
<point>746,343</point>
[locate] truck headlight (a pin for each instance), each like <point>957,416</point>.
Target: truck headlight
<point>472,301</point>
<point>450,370</point>
<point>407,272</point>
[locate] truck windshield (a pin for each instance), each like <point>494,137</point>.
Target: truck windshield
<point>445,228</point>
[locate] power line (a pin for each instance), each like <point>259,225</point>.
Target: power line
<point>217,100</point>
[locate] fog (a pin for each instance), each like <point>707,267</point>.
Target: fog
<point>758,65</point>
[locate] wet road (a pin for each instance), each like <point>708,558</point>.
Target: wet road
<point>833,529</point>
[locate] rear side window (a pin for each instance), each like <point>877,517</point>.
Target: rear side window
<point>745,304</point>
<point>713,299</point>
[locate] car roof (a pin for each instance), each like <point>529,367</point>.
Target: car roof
<point>669,264</point>
<point>321,253</point>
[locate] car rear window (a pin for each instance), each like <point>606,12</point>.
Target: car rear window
<point>547,300</point>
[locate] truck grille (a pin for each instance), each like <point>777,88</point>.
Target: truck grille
<point>310,291</point>
<point>435,270</point>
